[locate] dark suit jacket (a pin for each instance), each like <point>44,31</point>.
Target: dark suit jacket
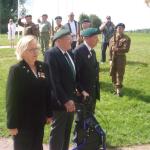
<point>28,97</point>
<point>62,76</point>
<point>87,72</point>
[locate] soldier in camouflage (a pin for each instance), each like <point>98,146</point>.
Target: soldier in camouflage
<point>119,45</point>
<point>29,27</point>
<point>45,32</point>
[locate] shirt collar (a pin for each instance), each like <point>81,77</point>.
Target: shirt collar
<point>63,52</point>
<point>89,48</point>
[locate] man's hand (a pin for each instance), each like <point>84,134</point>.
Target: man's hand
<point>13,131</point>
<point>114,48</point>
<point>48,120</point>
<point>110,62</point>
<point>85,94</point>
<point>70,106</point>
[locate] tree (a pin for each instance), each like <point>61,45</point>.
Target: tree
<point>83,16</point>
<point>95,21</point>
<point>8,9</point>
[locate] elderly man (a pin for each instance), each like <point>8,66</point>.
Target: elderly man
<point>74,29</point>
<point>119,45</point>
<point>64,74</point>
<point>88,86</point>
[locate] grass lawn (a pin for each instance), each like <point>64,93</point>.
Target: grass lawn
<point>126,120</point>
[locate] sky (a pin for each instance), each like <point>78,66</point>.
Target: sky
<point>134,13</point>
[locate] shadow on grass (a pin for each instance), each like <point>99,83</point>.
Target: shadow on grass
<point>134,63</point>
<point>130,92</point>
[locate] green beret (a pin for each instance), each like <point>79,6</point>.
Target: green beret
<point>62,32</point>
<point>90,32</point>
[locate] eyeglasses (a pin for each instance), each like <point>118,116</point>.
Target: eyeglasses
<point>33,50</point>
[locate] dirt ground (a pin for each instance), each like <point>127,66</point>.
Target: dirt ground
<point>6,144</point>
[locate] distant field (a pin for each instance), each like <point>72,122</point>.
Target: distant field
<point>126,120</point>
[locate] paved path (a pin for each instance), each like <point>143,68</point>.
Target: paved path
<point>6,144</point>
<point>5,47</point>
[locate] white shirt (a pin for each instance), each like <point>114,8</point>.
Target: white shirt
<point>89,48</point>
<point>63,52</point>
<point>73,30</point>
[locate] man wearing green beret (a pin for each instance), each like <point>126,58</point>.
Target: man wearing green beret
<point>119,45</point>
<point>88,86</point>
<point>64,75</point>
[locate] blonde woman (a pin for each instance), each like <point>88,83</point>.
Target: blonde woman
<point>28,97</point>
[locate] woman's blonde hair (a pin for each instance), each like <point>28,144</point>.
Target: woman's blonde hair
<point>23,44</point>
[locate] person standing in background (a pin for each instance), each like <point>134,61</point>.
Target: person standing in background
<point>107,29</point>
<point>45,32</point>
<point>119,45</point>
<point>30,28</point>
<point>74,29</point>
<point>58,26</point>
<point>11,32</point>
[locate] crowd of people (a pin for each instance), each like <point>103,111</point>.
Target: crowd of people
<point>53,91</point>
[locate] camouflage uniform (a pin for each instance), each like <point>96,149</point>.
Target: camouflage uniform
<point>118,58</point>
<point>29,28</point>
<point>45,28</point>
<point>57,28</point>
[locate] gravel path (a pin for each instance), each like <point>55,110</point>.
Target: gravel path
<point>6,144</point>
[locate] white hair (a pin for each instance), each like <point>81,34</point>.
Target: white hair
<point>23,44</point>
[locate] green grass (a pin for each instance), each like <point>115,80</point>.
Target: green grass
<point>4,40</point>
<point>127,119</point>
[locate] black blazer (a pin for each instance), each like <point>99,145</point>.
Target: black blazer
<point>87,72</point>
<point>28,98</point>
<point>62,76</point>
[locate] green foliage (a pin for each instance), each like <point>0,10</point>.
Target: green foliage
<point>96,21</point>
<point>125,119</point>
<point>8,9</point>
<point>83,16</point>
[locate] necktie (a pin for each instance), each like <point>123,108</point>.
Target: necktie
<point>93,55</point>
<point>70,64</point>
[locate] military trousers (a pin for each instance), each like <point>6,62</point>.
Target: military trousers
<point>119,70</point>
<point>103,51</point>
<point>44,41</point>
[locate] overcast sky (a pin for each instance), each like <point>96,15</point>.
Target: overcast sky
<point>134,13</point>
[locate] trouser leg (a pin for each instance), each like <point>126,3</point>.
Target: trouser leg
<point>103,52</point>
<point>29,139</point>
<point>61,129</point>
